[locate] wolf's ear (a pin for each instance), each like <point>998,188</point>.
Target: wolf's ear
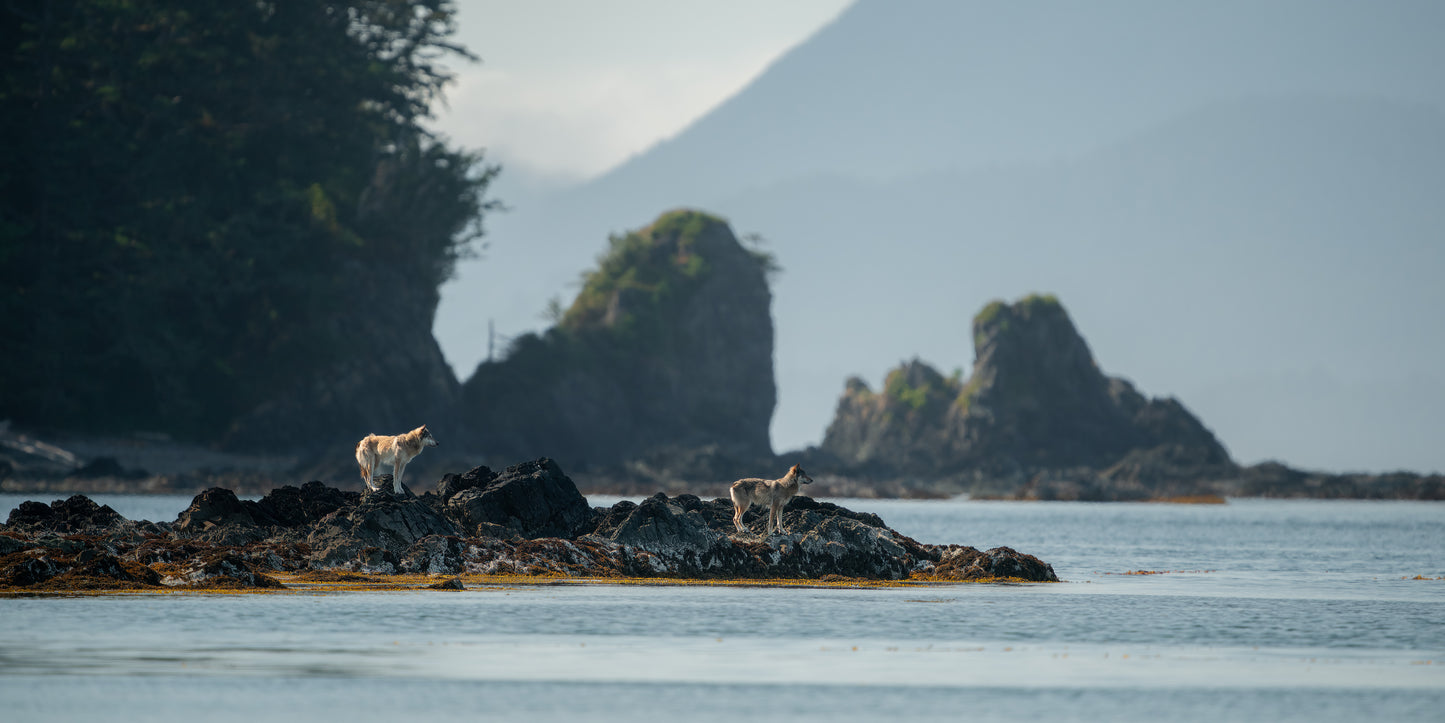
<point>796,468</point>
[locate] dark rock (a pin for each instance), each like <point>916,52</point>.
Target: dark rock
<point>959,562</point>
<point>32,567</point>
<point>29,514</point>
<point>680,541</point>
<point>452,584</point>
<point>98,569</point>
<point>381,521</point>
<point>77,513</point>
<point>669,345</point>
<point>696,538</point>
<point>1036,400</point>
<point>532,499</point>
<point>90,569</point>
<point>56,543</point>
<point>528,520</point>
<point>451,484</point>
<point>1272,479</point>
<point>224,570</point>
<point>214,507</point>
<point>802,503</point>
<point>433,555</point>
<point>377,560</point>
<point>293,507</point>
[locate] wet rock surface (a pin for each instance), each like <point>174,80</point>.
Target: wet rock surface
<point>527,520</point>
<point>531,500</point>
<point>73,514</point>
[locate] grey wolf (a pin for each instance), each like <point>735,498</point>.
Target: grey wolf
<point>375,450</point>
<point>771,492</point>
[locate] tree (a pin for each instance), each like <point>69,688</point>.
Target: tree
<point>185,185</point>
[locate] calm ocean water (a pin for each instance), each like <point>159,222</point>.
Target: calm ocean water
<point>1266,611</point>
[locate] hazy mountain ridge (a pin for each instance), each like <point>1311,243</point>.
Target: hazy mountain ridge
<point>1191,269</point>
<point>1234,196</point>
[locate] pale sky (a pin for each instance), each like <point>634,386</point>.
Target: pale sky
<point>570,88</point>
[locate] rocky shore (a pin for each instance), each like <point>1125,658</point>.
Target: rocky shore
<point>527,520</point>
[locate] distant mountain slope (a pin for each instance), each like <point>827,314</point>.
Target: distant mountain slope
<point>1240,199</point>
<point>893,88</point>
<point>1276,264</point>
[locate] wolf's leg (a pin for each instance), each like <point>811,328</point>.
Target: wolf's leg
<point>399,467</point>
<point>738,510</point>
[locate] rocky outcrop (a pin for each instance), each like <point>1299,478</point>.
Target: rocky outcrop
<point>527,520</point>
<point>529,500</point>
<point>668,346</point>
<point>959,562</point>
<point>74,514</point>
<point>376,533</point>
<point>689,536</point>
<point>1036,400</point>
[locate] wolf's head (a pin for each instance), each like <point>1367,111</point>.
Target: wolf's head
<point>798,474</point>
<point>426,439</point>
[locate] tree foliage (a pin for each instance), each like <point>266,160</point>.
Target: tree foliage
<point>185,188</point>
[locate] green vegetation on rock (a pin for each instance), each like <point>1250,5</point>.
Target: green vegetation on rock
<point>915,386</point>
<point>1035,400</point>
<point>668,346</point>
<point>643,274</point>
<point>989,312</point>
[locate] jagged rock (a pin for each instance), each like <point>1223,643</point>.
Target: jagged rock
<point>669,345</point>
<point>379,521</point>
<point>294,507</point>
<point>76,513</point>
<point>377,560</point>
<point>689,536</point>
<point>907,425</point>
<point>1036,400</point>
<point>218,516</point>
<point>227,569</point>
<point>90,568</point>
<point>100,570</point>
<point>222,541</point>
<point>433,555</point>
<point>31,567</point>
<point>212,508</point>
<point>533,499</point>
<point>960,562</point>
<point>680,541</point>
<point>451,484</point>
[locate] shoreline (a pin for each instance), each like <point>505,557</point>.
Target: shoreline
<point>305,584</point>
<point>155,464</point>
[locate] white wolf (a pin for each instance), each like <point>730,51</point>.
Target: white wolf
<point>771,492</point>
<point>375,450</point>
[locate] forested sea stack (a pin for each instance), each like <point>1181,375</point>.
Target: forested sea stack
<point>227,222</point>
<point>1036,400</point>
<point>668,348</point>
